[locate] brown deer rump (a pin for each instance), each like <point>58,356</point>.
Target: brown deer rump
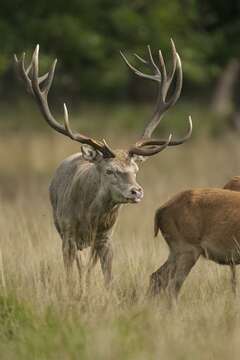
<point>203,218</point>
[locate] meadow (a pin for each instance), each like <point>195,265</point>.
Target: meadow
<point>43,318</point>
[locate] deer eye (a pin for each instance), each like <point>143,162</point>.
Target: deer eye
<point>109,172</point>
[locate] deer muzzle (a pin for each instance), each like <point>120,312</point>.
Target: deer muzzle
<point>135,194</point>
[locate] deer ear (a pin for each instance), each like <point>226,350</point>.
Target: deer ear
<point>139,158</point>
<point>89,153</point>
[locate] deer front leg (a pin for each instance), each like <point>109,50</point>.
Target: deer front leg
<point>105,254</point>
<point>69,251</point>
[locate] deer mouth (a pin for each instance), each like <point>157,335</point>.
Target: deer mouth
<point>135,199</point>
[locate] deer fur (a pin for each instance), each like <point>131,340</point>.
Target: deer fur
<point>86,193</point>
<point>194,223</point>
<point>233,184</point>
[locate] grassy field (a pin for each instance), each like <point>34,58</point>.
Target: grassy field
<point>42,318</point>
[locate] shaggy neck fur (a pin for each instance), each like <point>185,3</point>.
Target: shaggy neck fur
<point>93,201</point>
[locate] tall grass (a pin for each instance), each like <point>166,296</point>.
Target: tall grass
<point>42,317</point>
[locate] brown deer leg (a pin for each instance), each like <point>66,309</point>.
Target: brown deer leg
<point>159,279</point>
<point>105,254</point>
<point>233,278</point>
<point>183,265</point>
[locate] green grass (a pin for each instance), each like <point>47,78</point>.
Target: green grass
<point>43,317</point>
<point>202,326</point>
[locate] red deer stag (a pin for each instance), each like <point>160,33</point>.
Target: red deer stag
<point>198,222</point>
<point>89,187</point>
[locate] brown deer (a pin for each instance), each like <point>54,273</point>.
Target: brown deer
<point>233,184</point>
<point>194,223</point>
<point>89,187</point>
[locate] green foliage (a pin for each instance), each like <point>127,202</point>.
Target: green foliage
<point>87,35</point>
<point>13,316</point>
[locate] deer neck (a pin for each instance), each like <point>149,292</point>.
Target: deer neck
<point>104,203</point>
<point>103,214</point>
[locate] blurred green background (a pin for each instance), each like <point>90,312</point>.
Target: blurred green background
<point>86,37</point>
<point>41,316</point>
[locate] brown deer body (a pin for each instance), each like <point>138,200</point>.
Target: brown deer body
<point>89,187</point>
<point>194,223</point>
<point>233,184</point>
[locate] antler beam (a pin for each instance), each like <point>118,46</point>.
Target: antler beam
<point>32,81</point>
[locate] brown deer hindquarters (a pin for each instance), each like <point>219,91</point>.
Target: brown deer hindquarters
<point>233,184</point>
<point>179,232</point>
<point>172,274</point>
<point>177,223</point>
<point>193,223</point>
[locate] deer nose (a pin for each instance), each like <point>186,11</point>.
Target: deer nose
<point>137,192</point>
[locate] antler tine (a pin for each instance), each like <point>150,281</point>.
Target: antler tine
<point>135,70</point>
<point>130,65</point>
<point>35,64</point>
<point>29,70</point>
<point>157,142</point>
<point>163,86</point>
<point>32,80</point>
<point>174,57</point>
<point>21,73</point>
<point>75,136</point>
<point>152,61</point>
<point>179,80</point>
<point>66,121</point>
<point>163,104</point>
<point>141,59</point>
<point>150,149</point>
<point>25,74</point>
<point>82,138</point>
<point>49,78</point>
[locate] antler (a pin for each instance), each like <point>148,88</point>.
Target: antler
<point>146,145</point>
<point>32,82</point>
